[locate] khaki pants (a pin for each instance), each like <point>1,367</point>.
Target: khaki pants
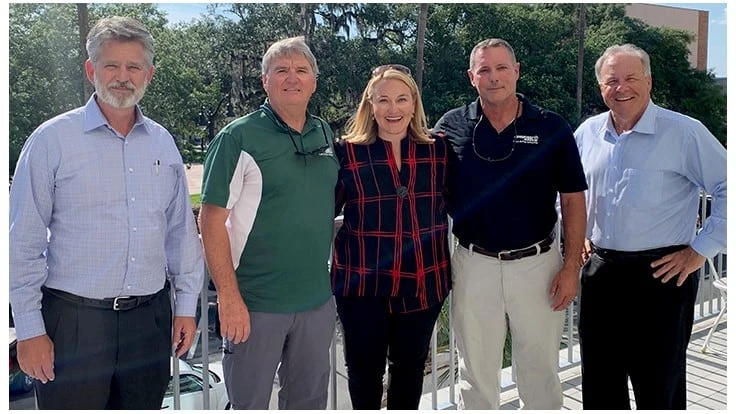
<point>485,290</point>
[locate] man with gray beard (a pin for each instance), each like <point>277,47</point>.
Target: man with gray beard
<point>101,230</point>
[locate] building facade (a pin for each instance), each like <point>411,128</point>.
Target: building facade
<point>689,20</point>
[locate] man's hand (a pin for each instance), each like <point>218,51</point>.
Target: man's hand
<point>36,358</point>
<point>564,287</point>
<point>234,318</point>
<point>587,251</point>
<point>680,264</point>
<point>183,336</point>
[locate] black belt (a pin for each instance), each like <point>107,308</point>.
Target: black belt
<point>620,256</point>
<point>120,303</point>
<point>533,250</point>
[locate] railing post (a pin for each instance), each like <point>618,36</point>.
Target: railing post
<point>452,348</point>
<point>570,330</point>
<point>175,362</point>
<point>333,372</point>
<point>204,336</point>
<point>333,347</point>
<point>453,352</point>
<point>433,363</point>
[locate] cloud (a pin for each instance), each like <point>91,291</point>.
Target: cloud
<point>719,17</point>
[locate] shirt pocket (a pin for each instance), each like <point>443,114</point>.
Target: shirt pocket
<point>642,188</point>
<point>164,179</point>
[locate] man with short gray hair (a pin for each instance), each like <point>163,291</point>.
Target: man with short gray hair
<point>267,222</point>
<point>645,166</point>
<point>100,230</point>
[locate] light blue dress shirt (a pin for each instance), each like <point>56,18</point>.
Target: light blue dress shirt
<point>644,184</point>
<point>100,215</point>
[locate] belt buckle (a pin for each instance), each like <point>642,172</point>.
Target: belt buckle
<point>116,305</point>
<point>509,255</point>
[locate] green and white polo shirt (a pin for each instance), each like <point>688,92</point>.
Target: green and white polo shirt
<point>281,208</point>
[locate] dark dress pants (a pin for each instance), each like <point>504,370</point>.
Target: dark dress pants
<point>371,334</point>
<point>634,326</point>
<point>106,359</point>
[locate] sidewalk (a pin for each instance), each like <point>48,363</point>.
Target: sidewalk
<point>706,377</point>
<point>194,178</point>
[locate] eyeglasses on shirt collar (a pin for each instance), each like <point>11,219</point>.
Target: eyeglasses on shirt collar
<point>297,150</point>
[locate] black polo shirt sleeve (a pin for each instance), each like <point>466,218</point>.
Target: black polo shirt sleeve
<point>571,177</point>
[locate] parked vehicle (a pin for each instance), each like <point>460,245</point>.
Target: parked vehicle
<point>20,383</point>
<point>190,381</point>
<point>191,386</point>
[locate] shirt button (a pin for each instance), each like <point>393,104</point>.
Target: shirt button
<point>130,169</point>
<point>132,198</point>
<point>135,228</point>
<point>132,259</point>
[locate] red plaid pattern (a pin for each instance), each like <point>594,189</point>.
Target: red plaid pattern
<point>388,245</point>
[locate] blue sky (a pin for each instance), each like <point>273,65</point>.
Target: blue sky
<point>716,33</point>
<point>185,12</point>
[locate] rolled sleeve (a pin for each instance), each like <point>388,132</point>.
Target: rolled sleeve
<point>705,164</point>
<point>706,246</point>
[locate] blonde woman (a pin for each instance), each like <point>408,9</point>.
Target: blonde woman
<point>391,269</point>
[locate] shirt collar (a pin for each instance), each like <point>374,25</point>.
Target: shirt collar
<point>528,110</point>
<point>646,124</point>
<point>271,114</point>
<point>94,118</point>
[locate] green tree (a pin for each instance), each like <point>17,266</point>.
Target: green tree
<point>675,84</point>
<point>421,38</point>
<point>198,62</point>
<point>44,74</point>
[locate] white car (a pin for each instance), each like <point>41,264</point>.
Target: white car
<point>191,385</point>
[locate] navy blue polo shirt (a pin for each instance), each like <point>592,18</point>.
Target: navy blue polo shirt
<point>508,203</point>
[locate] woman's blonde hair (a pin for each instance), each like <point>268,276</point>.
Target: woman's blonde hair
<point>362,127</point>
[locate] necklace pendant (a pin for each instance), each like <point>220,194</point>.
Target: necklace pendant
<point>402,191</point>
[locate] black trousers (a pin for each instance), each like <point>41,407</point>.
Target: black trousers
<point>371,334</point>
<point>633,326</point>
<point>106,359</point>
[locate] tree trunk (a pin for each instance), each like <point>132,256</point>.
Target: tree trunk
<point>581,49</point>
<point>306,15</point>
<point>83,23</point>
<point>423,9</point>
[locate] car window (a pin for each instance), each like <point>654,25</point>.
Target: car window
<point>214,376</point>
<point>187,384</point>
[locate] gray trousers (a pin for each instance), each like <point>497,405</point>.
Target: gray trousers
<point>297,344</point>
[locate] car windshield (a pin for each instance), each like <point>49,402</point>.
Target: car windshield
<point>187,384</point>
<point>199,370</point>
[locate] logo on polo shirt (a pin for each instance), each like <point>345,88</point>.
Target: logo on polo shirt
<point>526,139</point>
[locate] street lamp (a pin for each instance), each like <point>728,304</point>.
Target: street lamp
<point>208,117</point>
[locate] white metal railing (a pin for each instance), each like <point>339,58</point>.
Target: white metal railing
<point>708,303</point>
